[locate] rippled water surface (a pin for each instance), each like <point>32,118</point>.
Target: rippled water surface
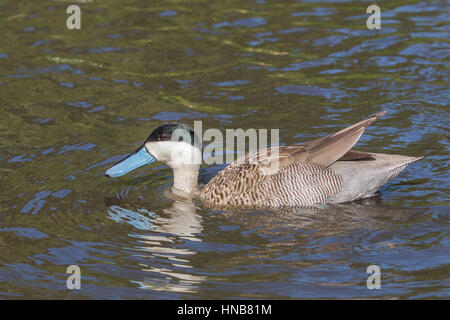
<point>74,102</point>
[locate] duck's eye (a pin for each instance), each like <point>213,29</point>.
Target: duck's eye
<point>180,138</point>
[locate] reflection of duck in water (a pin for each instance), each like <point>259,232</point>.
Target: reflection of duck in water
<point>325,170</point>
<point>169,267</point>
<point>323,220</point>
<point>176,221</point>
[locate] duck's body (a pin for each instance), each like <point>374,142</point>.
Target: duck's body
<point>303,183</point>
<point>325,170</point>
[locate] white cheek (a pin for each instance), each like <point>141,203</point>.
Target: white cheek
<point>173,152</point>
<point>185,154</point>
<point>158,150</point>
<point>177,155</point>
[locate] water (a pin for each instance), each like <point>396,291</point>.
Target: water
<point>74,102</point>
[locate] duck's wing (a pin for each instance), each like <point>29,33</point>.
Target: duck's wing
<point>323,151</point>
<point>329,149</point>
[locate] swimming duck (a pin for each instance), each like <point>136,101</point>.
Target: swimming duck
<point>325,170</point>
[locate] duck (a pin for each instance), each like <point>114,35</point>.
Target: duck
<point>326,170</point>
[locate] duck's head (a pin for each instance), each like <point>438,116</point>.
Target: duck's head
<point>174,144</point>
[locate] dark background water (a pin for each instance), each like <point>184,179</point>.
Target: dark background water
<point>75,101</point>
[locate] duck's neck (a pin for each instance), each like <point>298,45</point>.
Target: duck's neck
<point>185,178</point>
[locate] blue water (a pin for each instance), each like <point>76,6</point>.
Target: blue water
<point>74,102</point>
